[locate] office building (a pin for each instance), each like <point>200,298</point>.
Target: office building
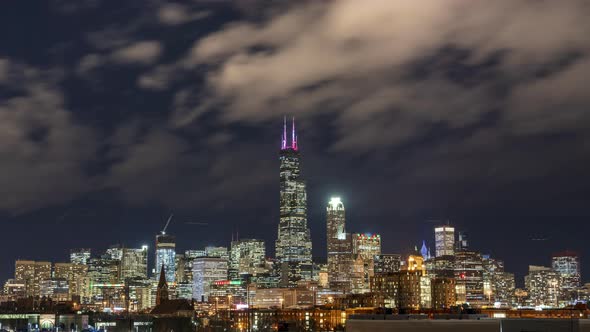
<point>444,241</point>
<point>567,264</point>
<point>339,244</point>
<point>543,285</point>
<point>293,244</point>
<point>56,289</point>
<point>207,270</point>
<point>166,256</point>
<point>213,251</point>
<point>247,257</point>
<point>469,274</point>
<point>134,263</point>
<point>31,273</point>
<point>387,263</point>
<point>365,247</point>
<point>443,293</point>
<point>80,255</point>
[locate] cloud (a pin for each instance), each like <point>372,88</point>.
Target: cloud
<point>142,52</point>
<point>176,14</point>
<point>385,70</point>
<point>43,149</point>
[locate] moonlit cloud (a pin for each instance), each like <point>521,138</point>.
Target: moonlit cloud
<point>357,62</point>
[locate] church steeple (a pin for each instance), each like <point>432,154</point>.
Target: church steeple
<point>162,293</point>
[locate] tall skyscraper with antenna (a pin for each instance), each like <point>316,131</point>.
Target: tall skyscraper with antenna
<point>293,245</point>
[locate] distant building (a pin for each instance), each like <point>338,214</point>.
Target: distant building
<point>543,286</point>
<point>293,244</point>
<point>387,263</point>
<point>207,270</point>
<point>469,274</point>
<point>365,247</point>
<point>56,289</point>
<point>115,252</point>
<point>31,273</point>
<point>247,257</point>
<point>221,252</point>
<point>444,241</point>
<point>80,255</point>
<point>166,255</point>
<point>443,293</point>
<point>76,276</point>
<point>339,245</point>
<point>567,264</point>
<point>134,263</point>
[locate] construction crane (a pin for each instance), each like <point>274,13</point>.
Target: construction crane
<point>167,223</point>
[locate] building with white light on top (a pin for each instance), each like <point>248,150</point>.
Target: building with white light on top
<point>339,244</point>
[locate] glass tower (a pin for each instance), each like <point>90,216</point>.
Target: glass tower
<point>293,245</point>
<point>166,255</point>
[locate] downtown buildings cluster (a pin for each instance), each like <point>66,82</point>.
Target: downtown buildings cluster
<point>357,273</point>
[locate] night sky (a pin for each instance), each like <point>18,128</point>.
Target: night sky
<point>113,114</point>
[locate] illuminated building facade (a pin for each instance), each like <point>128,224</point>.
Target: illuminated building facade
<point>247,257</point>
<point>504,286</point>
<point>293,244</point>
<point>75,275</point>
<point>207,270</point>
<point>365,247</point>
<point>444,240</point>
<point>339,244</point>
<point>102,273</point>
<point>31,273</point>
<point>221,252</point>
<point>543,285</point>
<point>387,263</point>
<point>134,263</point>
<point>54,288</point>
<point>567,264</point>
<point>469,274</point>
<point>115,252</point>
<point>166,255</point>
<point>80,256</point>
<point>443,293</point>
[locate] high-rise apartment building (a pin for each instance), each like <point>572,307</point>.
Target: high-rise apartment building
<point>293,244</point>
<point>247,257</point>
<point>567,264</point>
<point>207,270</point>
<point>31,273</point>
<point>134,263</point>
<point>444,240</point>
<point>543,285</point>
<point>339,244</point>
<point>80,255</point>
<point>166,255</point>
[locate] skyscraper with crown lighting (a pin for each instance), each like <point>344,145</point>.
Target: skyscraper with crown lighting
<point>293,245</point>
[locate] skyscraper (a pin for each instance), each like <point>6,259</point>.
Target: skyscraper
<point>166,255</point>
<point>293,245</point>
<point>247,256</point>
<point>339,246</point>
<point>134,263</point>
<point>444,240</point>
<point>543,285</point>
<point>80,256</point>
<point>567,264</point>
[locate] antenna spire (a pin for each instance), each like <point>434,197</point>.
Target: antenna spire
<point>284,136</point>
<point>294,137</point>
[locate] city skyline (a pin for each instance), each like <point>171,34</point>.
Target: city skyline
<point>115,115</point>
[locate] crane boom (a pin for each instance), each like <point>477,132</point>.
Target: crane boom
<point>167,223</point>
